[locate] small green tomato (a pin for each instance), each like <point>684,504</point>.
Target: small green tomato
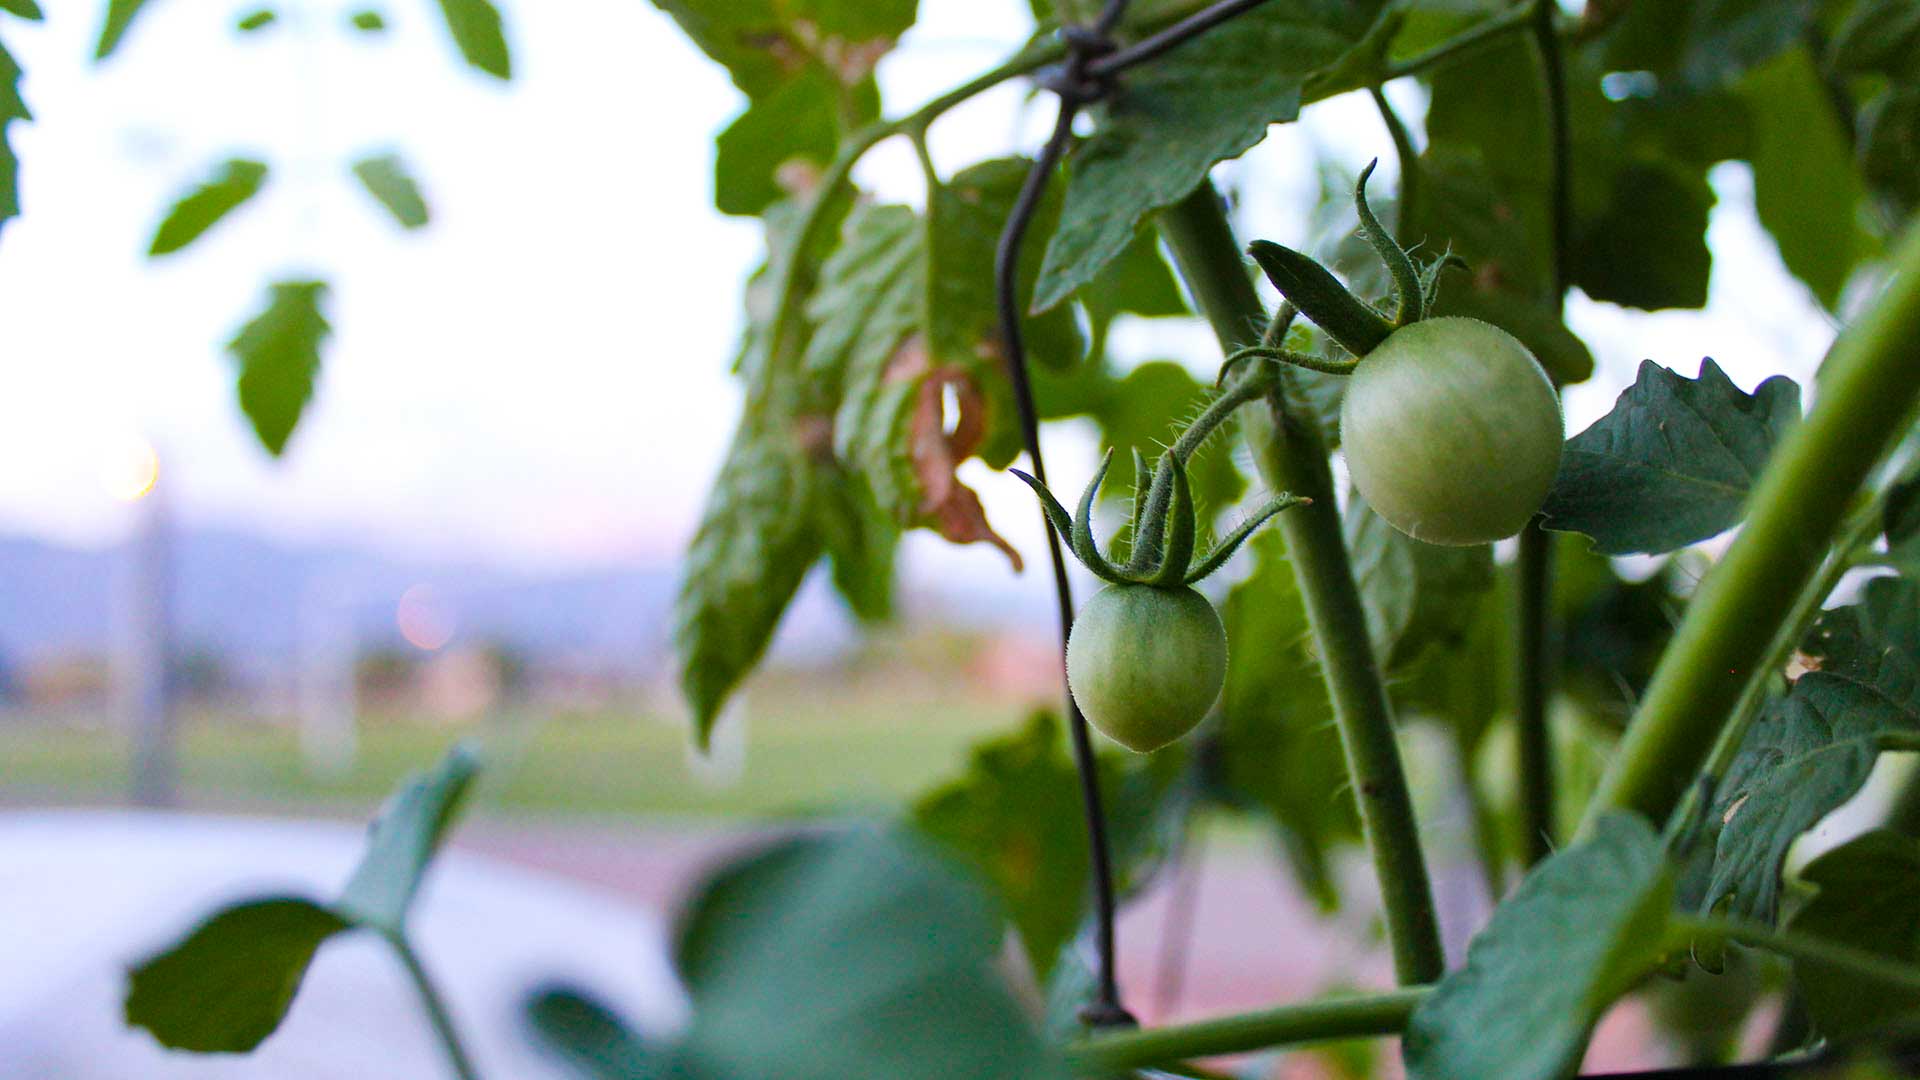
<point>1145,663</point>
<point>1452,431</point>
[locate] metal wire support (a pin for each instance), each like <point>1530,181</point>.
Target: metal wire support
<point>1094,60</point>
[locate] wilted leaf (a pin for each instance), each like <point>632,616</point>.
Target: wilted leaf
<point>387,178</point>
<point>1809,752</point>
<point>1174,119</point>
<point>1416,594</point>
<point>279,357</point>
<point>1672,463</point>
<point>1869,899</point>
<point>1586,924</point>
<point>227,985</point>
<point>202,208</point>
<point>475,26</point>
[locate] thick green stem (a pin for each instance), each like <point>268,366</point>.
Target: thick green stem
<point>1534,663</point>
<point>1867,393</point>
<point>1289,1025</point>
<point>436,1007</point>
<point>1292,457</point>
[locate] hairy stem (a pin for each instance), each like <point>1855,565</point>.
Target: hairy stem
<point>436,1007</point>
<point>1288,1025</point>
<point>1294,458</point>
<point>1867,397</point>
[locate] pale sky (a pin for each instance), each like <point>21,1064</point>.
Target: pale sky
<point>540,377</point>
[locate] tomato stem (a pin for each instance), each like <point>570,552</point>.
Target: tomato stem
<point>1203,245</point>
<point>1307,1022</point>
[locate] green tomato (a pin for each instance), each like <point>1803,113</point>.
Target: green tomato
<point>1452,431</point>
<point>1146,663</point>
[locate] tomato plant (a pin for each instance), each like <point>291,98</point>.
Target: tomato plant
<point>1561,147</point>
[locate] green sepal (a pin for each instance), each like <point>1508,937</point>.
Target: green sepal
<point>1346,318</point>
<point>1142,483</point>
<point>1430,275</point>
<point>1177,552</point>
<point>1409,289</point>
<point>1085,547</point>
<point>1057,515</point>
<point>1231,542</point>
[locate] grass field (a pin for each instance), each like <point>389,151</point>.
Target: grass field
<point>806,750</point>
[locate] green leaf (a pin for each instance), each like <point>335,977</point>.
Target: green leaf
<point>861,541</point>
<point>279,357</point>
<point>850,956</point>
<point>227,985</point>
<point>796,126</point>
<point>1415,594</point>
<point>1174,119</point>
<point>369,21</point>
<point>756,541</point>
<point>1879,37</point>
<point>26,9</point>
<point>1585,926</point>
<point>1277,737</point>
<point>1672,463</point>
<point>1810,751</point>
<point>120,16</point>
<point>206,205</point>
<point>1015,817</point>
<point>1694,45</point>
<point>259,19</point>
<point>475,25</point>
<point>1901,523</point>
<point>1647,248</point>
<point>12,108</point>
<point>763,43</point>
<point>1869,898</point>
<point>1805,186</point>
<point>403,841</point>
<point>591,1037</point>
<point>387,178</point>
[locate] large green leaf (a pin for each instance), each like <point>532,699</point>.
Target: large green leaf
<point>387,178</point>
<point>237,180</point>
<point>1810,751</point>
<point>1277,740</point>
<point>1672,463</point>
<point>861,541</point>
<point>120,16</point>
<point>1805,186</point>
<point>1174,119</point>
<point>476,30</point>
<point>1693,45</point>
<point>1580,931</point>
<point>227,985</point>
<point>1869,898</point>
<point>279,357</point>
<point>1416,594</point>
<point>797,124</point>
<point>762,43</point>
<point>1647,246</point>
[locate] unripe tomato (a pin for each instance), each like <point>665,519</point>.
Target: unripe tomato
<point>1452,431</point>
<point>1146,663</point>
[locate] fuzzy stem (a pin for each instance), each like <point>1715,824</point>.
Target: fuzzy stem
<point>1308,1022</point>
<point>1294,459</point>
<point>436,1007</point>
<point>1867,397</point>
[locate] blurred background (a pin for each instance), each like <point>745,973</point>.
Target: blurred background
<point>214,663</point>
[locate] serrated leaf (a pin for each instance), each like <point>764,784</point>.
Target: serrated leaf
<point>796,125</point>
<point>1694,45</point>
<point>1586,924</point>
<point>237,181</point>
<point>1173,120</point>
<point>279,357</point>
<point>120,16</point>
<point>1277,736</point>
<point>1015,817</point>
<point>1671,465</point>
<point>387,178</point>
<point>403,841</point>
<point>591,1037</point>
<point>475,26</point>
<point>1810,751</point>
<point>755,543</point>
<point>762,43</point>
<point>1879,37</point>
<point>227,985</point>
<point>861,542</point>
<point>1869,898</point>
<point>1416,595</point>
<point>12,108</point>
<point>849,956</point>
<point>1805,186</point>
